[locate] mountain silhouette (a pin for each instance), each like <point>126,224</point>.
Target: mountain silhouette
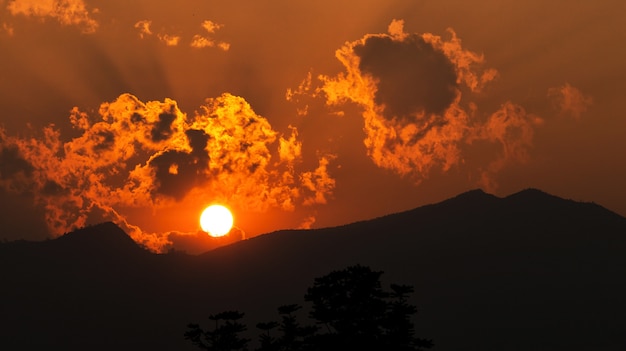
<point>530,271</point>
<point>103,237</point>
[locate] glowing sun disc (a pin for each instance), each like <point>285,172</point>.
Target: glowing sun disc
<point>216,220</point>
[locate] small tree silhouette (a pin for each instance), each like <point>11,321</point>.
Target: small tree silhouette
<point>399,327</point>
<point>223,337</point>
<point>268,342</point>
<point>295,337</point>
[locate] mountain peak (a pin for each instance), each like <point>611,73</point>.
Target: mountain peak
<point>472,198</point>
<point>532,193</point>
<point>474,193</point>
<point>532,198</point>
<point>103,237</point>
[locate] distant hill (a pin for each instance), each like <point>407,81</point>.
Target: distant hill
<point>530,271</point>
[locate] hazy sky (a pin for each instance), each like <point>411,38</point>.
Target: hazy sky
<point>300,114</point>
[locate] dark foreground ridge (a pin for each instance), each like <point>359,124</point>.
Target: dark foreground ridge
<point>527,272</point>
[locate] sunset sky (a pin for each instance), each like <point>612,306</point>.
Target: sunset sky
<point>300,114</point>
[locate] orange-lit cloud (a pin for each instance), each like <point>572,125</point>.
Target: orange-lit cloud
<point>302,92</point>
<point>197,41</point>
<point>307,223</point>
<point>513,129</point>
<point>137,154</point>
<point>144,28</point>
<point>569,101</point>
<point>211,26</point>
<point>319,182</point>
<point>415,92</point>
<point>8,29</point>
<point>201,41</point>
<point>169,39</point>
<point>66,12</point>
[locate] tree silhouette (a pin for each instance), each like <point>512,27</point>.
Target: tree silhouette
<point>223,337</point>
<point>358,314</point>
<point>268,342</point>
<point>295,337</point>
<point>399,327</point>
<point>351,305</point>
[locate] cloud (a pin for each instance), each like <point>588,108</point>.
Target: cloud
<point>169,39</point>
<point>319,182</point>
<point>197,41</point>
<point>8,29</point>
<point>569,101</point>
<point>307,222</point>
<point>302,93</point>
<point>398,67</point>
<point>152,155</point>
<point>66,12</point>
<point>415,93</point>
<point>211,26</point>
<point>201,41</point>
<point>144,28</point>
<point>290,150</point>
<point>16,171</point>
<point>513,128</point>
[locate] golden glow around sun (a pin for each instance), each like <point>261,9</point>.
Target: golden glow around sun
<point>216,220</point>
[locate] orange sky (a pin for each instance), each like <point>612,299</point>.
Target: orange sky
<point>297,114</point>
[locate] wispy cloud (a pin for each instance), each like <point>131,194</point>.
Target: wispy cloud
<point>197,41</point>
<point>66,12</point>
<point>144,28</point>
<point>569,101</point>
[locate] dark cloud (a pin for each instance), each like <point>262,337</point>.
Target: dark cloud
<point>177,172</point>
<point>16,173</point>
<point>412,76</point>
<point>53,188</point>
<point>13,163</point>
<point>105,140</point>
<point>162,129</point>
<point>198,141</point>
<point>137,118</point>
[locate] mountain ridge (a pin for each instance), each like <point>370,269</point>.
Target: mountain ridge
<point>108,233</point>
<point>514,273</point>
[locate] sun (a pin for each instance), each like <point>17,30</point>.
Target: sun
<point>216,220</point>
